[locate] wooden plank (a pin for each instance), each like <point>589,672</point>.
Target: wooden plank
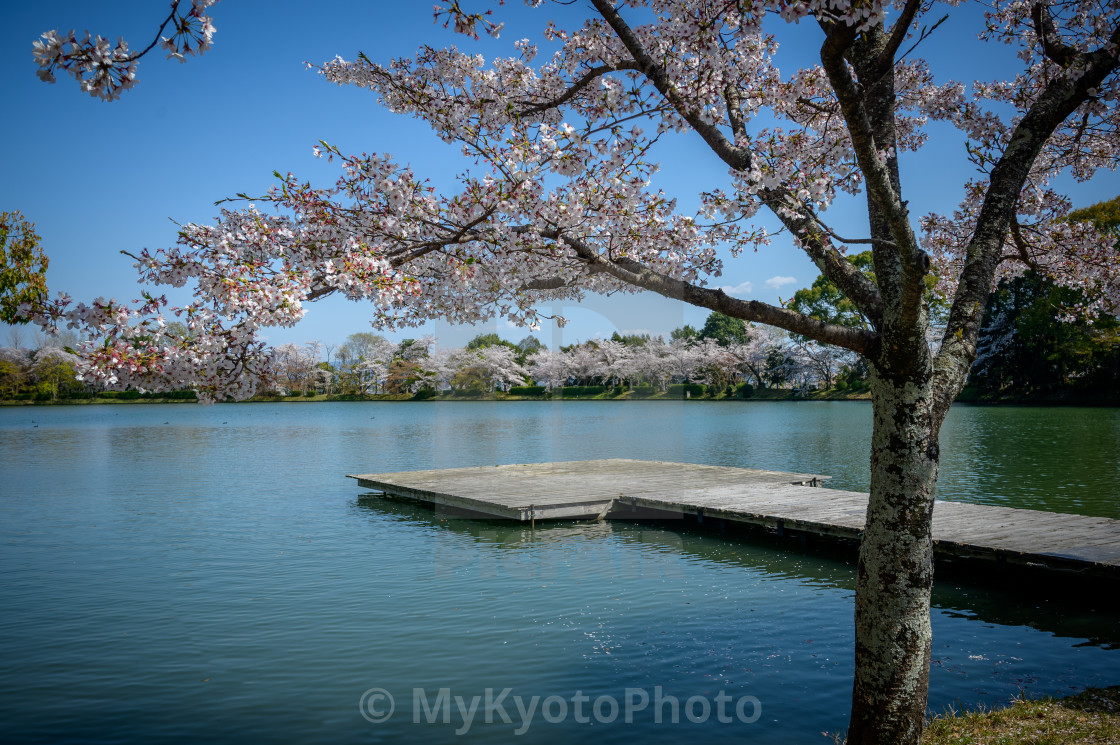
<point>778,499</point>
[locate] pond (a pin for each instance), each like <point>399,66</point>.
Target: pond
<point>185,573</point>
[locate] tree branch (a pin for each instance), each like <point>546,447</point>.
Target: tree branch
<point>851,281</point>
<point>1058,101</point>
<point>735,111</point>
<point>591,75</point>
<point>462,235</point>
<point>803,223</point>
<point>1053,47</point>
<point>1021,246</point>
<point>875,172</point>
<point>737,157</point>
<point>897,36</point>
<point>638,275</point>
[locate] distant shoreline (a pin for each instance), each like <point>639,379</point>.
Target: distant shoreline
<point>765,394</point>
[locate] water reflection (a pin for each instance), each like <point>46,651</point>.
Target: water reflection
<point>497,548</point>
<point>1060,460</point>
<point>206,574</point>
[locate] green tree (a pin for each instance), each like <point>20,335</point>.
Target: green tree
<point>23,266</point>
<point>1027,349</point>
<point>490,340</point>
<point>684,332</point>
<point>55,372</point>
<point>14,365</point>
<point>777,368</point>
<point>631,340</point>
<point>724,329</point>
<point>1033,344</point>
<point>825,302</point>
<point>1105,216</point>
<point>471,379</point>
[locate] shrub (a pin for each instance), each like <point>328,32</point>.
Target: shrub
<point>745,390</point>
<point>642,391</point>
<point>424,393</point>
<point>527,390</point>
<point>467,392</point>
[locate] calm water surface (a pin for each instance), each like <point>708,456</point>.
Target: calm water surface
<point>187,573</point>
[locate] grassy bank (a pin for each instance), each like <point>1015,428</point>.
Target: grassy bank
<point>1089,718</point>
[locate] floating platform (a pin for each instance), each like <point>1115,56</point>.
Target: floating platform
<point>794,503</point>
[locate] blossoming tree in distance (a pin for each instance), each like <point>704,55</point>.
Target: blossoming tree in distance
<point>559,203</point>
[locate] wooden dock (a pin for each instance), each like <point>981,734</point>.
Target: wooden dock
<point>793,503</point>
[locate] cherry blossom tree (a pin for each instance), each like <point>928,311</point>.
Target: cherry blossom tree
<point>584,364</point>
<point>614,360</point>
<point>681,359</point>
<point>297,365</point>
<point>499,363</point>
<point>660,364</point>
<point>822,362</point>
<point>549,367</point>
<point>716,365</point>
<point>55,370</point>
<point>439,368</point>
<point>560,202</point>
<point>753,353</point>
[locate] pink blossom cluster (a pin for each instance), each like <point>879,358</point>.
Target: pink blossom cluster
<point>135,347</point>
<point>802,362</point>
<point>1042,237</point>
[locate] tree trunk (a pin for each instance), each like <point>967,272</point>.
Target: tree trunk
<point>893,638</point>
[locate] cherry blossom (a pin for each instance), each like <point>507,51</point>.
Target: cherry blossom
<point>105,70</point>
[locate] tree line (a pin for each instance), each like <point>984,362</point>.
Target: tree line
<point>723,356</point>
<point>1033,346</point>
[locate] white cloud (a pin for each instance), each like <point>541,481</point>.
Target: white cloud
<point>776,282</point>
<point>743,288</point>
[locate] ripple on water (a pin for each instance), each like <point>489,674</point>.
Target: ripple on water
<point>190,573</point>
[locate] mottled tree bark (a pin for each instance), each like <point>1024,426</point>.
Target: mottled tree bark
<point>892,621</point>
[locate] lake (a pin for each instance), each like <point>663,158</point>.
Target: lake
<point>177,573</point>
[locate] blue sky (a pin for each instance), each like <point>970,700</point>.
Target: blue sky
<point>97,177</point>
